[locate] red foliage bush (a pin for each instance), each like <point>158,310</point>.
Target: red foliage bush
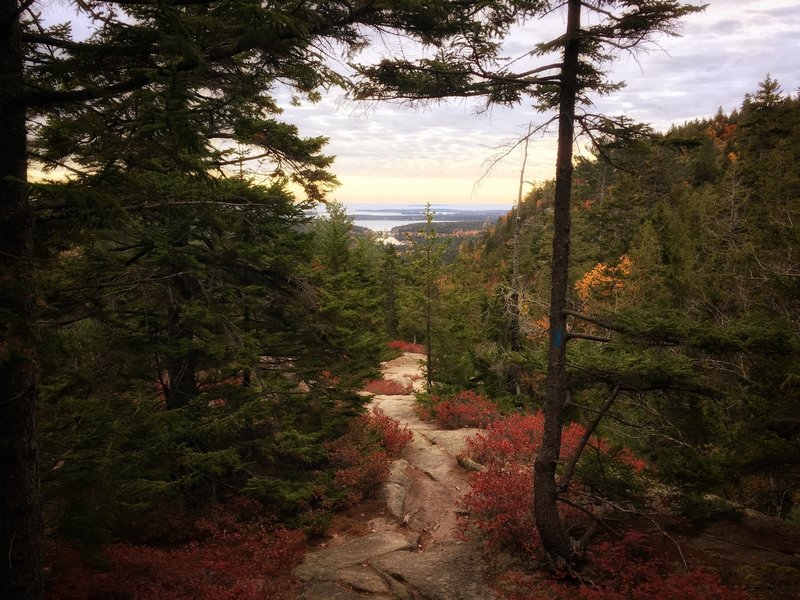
<point>362,455</point>
<point>360,472</point>
<point>407,347</point>
<point>387,387</point>
<point>501,499</point>
<point>242,564</point>
<point>630,569</point>
<point>501,505</point>
<point>393,437</point>
<point>516,439</point>
<point>465,409</point>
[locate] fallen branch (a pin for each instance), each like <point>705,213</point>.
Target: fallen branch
<point>469,464</point>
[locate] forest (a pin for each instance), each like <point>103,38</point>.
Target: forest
<point>183,346</point>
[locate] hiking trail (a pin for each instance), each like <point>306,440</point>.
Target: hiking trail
<point>410,549</point>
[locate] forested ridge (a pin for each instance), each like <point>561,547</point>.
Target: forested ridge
<point>183,345</point>
<point>684,284</point>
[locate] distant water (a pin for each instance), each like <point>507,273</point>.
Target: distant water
<point>383,217</point>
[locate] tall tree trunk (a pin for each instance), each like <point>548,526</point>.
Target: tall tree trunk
<point>516,328</point>
<point>182,366</point>
<point>555,540</point>
<point>20,504</point>
<point>181,369</point>
<point>429,321</point>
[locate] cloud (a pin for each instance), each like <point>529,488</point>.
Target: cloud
<point>722,55</point>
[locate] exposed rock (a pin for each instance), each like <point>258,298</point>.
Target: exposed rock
<point>363,579</point>
<point>454,442</point>
<point>328,590</point>
<point>325,564</point>
<point>444,572</point>
<point>430,459</point>
<point>401,408</point>
<point>420,560</point>
<point>395,489</point>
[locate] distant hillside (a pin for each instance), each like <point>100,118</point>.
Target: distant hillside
<point>454,228</point>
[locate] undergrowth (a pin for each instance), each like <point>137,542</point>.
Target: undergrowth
<point>500,509</point>
<point>454,411</point>
<point>407,347</point>
<point>235,552</point>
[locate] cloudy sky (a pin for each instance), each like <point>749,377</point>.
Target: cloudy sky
<point>391,153</point>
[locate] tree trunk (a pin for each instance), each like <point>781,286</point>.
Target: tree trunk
<point>429,325</point>
<point>181,369</point>
<point>555,540</point>
<point>20,504</point>
<point>516,311</point>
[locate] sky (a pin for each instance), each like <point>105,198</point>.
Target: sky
<point>395,154</point>
<point>391,153</point>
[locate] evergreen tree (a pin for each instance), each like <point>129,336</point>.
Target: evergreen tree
<point>20,516</point>
<point>390,275</point>
<point>424,265</point>
<point>157,100</point>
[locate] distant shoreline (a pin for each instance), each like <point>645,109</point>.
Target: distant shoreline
<point>386,218</point>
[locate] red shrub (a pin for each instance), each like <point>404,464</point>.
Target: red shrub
<point>393,437</point>
<point>630,569</point>
<point>360,474</point>
<point>387,387</point>
<point>500,503</point>
<point>465,409</point>
<point>241,564</point>
<point>516,439</point>
<point>407,347</point>
<point>639,579</point>
<point>501,499</point>
<point>362,455</point>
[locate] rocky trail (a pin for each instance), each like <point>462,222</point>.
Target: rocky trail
<point>409,549</point>
<point>406,545</point>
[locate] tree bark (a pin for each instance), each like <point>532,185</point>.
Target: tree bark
<point>555,540</point>
<point>20,503</point>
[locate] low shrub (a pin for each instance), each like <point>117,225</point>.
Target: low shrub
<point>516,439</point>
<point>387,387</point>
<point>407,347</point>
<point>501,499</point>
<point>361,456</point>
<point>625,569</point>
<point>393,437</point>
<point>631,568</point>
<point>464,409</point>
<point>247,563</point>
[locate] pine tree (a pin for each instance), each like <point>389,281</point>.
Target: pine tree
<point>20,517</point>
<point>145,116</point>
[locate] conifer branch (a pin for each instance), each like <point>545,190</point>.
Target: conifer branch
<point>590,429</point>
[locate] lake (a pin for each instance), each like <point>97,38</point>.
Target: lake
<point>383,217</point>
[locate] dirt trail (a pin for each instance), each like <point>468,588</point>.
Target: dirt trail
<point>412,550</point>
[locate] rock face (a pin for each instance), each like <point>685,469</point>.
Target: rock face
<point>419,555</point>
<point>448,571</point>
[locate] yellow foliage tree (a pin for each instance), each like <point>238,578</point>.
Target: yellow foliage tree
<point>604,283</point>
